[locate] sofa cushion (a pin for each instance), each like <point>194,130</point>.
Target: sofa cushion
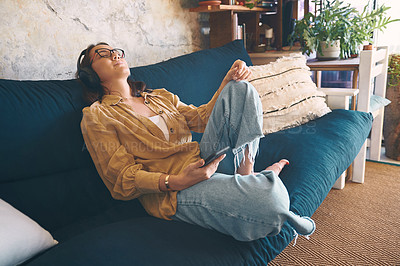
<point>193,77</point>
<point>151,241</point>
<point>41,119</point>
<point>62,200</point>
<point>46,171</point>
<point>21,237</point>
<point>288,95</point>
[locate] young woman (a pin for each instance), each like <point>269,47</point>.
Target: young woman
<point>140,142</point>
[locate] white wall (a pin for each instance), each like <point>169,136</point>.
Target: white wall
<point>391,35</point>
<point>41,39</point>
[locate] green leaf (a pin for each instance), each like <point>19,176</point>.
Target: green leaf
<point>336,20</point>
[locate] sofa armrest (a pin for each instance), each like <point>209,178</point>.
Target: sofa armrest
<point>338,98</point>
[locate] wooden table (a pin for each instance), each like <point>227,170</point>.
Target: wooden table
<point>350,64</point>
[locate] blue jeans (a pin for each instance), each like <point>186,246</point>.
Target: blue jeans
<point>247,207</point>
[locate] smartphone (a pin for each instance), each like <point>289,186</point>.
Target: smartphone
<point>215,155</point>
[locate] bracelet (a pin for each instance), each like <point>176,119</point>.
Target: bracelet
<point>166,182</point>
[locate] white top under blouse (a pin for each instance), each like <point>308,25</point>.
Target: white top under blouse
<point>160,122</point>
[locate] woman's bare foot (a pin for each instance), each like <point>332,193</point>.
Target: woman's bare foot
<point>246,167</point>
<point>277,167</point>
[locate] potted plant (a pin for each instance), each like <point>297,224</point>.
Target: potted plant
<point>249,3</point>
<point>317,32</point>
<point>391,125</point>
<point>361,28</point>
<point>337,25</point>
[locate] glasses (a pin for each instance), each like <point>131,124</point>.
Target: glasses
<point>105,53</point>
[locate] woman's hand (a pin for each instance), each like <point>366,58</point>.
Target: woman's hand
<point>191,175</point>
<point>239,71</point>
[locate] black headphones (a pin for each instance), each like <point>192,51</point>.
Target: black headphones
<point>87,75</point>
<point>90,78</point>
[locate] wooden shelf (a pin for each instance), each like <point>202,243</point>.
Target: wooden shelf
<point>225,18</point>
<point>234,8</point>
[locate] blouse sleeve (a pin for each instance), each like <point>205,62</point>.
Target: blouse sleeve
<point>124,178</point>
<point>196,117</point>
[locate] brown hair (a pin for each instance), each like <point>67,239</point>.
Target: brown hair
<point>92,89</point>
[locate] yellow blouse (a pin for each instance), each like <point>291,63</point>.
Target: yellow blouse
<point>130,152</point>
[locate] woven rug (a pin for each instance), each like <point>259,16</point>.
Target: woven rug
<point>359,225</point>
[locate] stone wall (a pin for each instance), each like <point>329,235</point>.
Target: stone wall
<point>42,39</point>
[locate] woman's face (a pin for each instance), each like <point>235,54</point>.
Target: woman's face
<point>108,65</point>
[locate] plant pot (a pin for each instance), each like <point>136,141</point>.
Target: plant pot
<point>368,47</point>
<point>331,52</point>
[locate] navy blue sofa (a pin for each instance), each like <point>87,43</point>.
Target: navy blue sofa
<point>47,173</point>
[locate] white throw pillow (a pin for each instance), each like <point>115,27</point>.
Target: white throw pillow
<point>20,237</point>
<point>288,95</point>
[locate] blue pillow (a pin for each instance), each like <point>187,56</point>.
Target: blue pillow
<point>377,102</point>
<point>193,77</point>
